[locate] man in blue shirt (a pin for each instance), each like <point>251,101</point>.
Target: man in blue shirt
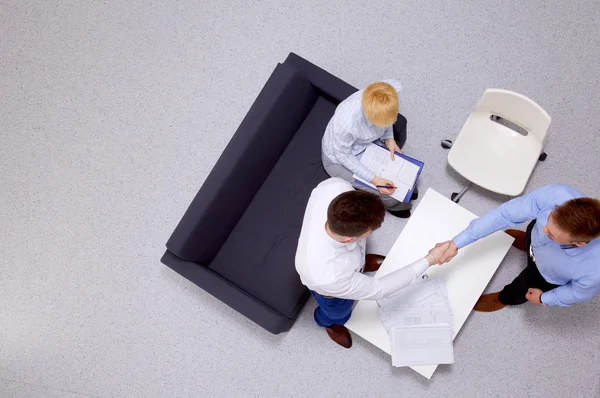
<point>561,244</point>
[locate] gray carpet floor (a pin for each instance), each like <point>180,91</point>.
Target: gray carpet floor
<point>113,113</point>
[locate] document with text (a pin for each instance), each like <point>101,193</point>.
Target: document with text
<point>419,322</point>
<point>403,171</point>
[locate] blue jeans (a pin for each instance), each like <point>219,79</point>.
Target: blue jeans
<point>331,311</point>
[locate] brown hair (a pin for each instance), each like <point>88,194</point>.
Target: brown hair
<point>354,213</point>
<point>380,104</point>
<point>579,217</point>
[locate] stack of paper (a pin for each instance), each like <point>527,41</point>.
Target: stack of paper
<point>418,319</point>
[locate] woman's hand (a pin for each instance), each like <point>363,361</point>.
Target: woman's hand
<point>391,144</point>
<point>381,183</point>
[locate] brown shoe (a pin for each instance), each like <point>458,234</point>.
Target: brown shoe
<point>489,303</point>
<point>340,335</point>
<point>519,236</point>
<point>373,262</point>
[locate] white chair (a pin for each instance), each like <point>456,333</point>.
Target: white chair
<point>500,143</point>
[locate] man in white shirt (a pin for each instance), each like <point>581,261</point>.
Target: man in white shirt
<point>331,255</point>
<point>364,117</point>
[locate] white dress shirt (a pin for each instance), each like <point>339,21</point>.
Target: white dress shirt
<point>333,268</point>
<point>349,132</point>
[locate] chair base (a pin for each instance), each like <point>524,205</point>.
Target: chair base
<point>457,195</point>
<point>446,144</point>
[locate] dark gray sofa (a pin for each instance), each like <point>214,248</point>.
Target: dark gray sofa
<point>238,238</point>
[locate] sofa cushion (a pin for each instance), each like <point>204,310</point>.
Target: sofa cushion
<point>259,254</point>
<point>263,135</point>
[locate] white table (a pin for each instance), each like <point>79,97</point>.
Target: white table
<point>436,219</point>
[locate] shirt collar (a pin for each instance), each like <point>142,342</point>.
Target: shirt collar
<point>337,245</point>
<point>351,246</point>
<point>565,247</point>
<point>573,250</point>
<point>367,121</point>
<point>340,245</point>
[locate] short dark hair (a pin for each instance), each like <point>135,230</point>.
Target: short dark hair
<point>354,213</point>
<point>579,217</point>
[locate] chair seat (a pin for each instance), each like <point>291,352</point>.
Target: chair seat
<point>493,156</point>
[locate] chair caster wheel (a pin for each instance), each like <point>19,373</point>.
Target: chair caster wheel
<point>543,156</point>
<point>446,144</point>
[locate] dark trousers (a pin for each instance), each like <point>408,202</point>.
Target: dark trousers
<point>514,293</point>
<point>331,310</point>
<point>400,130</point>
<point>400,135</point>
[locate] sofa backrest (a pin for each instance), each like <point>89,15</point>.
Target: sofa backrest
<point>331,87</point>
<point>279,110</point>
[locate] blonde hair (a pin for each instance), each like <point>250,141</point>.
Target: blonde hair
<point>380,104</point>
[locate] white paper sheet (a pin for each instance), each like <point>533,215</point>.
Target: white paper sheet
<point>417,293</point>
<point>400,171</point>
<point>416,315</point>
<point>418,320</point>
<point>422,345</point>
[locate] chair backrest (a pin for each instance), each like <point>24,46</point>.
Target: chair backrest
<point>514,107</point>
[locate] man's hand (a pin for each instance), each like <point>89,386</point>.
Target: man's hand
<point>391,144</point>
<point>377,181</point>
<point>436,253</point>
<point>449,253</point>
<point>534,296</point>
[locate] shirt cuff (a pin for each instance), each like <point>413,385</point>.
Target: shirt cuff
<point>549,298</point>
<point>461,239</point>
<point>387,135</point>
<point>420,266</point>
<point>366,177</point>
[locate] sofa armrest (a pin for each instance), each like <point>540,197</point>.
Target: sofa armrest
<point>330,86</point>
<point>231,294</point>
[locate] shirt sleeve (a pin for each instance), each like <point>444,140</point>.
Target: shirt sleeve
<point>576,291</point>
<point>343,153</point>
<point>363,287</point>
<point>510,214</point>
<point>389,133</point>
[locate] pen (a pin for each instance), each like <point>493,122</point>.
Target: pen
<point>385,186</point>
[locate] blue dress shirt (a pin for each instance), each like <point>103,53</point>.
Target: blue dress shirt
<point>576,269</point>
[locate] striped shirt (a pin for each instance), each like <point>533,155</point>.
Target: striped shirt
<point>349,133</point>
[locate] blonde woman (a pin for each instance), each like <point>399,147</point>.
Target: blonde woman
<point>366,116</point>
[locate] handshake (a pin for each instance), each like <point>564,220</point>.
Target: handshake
<point>442,253</point>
